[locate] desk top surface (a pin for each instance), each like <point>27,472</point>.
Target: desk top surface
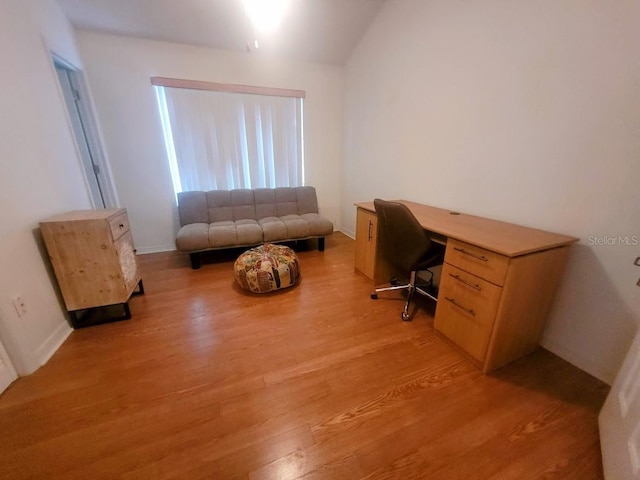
<point>500,237</point>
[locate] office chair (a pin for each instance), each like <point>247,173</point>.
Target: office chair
<point>407,248</point>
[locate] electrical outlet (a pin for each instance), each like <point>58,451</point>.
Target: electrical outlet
<point>20,305</point>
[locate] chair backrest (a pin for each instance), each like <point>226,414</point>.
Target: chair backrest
<point>402,239</point>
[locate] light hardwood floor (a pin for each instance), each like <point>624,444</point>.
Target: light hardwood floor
<point>319,381</point>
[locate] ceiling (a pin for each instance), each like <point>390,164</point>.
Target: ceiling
<point>321,31</point>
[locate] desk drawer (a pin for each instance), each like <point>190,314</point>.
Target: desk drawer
<point>485,264</point>
<point>466,310</point>
<point>119,224</point>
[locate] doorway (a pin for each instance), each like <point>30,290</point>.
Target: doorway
<point>86,135</point>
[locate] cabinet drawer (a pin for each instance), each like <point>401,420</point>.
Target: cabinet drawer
<point>478,261</point>
<point>119,224</point>
<point>466,310</point>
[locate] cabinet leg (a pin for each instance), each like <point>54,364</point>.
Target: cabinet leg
<point>73,317</point>
<point>140,289</point>
<point>99,315</point>
<point>127,311</point>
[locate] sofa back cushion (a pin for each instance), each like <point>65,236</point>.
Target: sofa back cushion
<point>265,202</point>
<point>286,201</point>
<point>192,207</point>
<point>230,205</point>
<point>307,200</point>
<point>281,201</point>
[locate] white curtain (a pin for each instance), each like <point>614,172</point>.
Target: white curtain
<point>225,140</point>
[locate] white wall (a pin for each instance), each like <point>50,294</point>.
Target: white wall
<point>119,71</point>
<point>40,174</point>
<point>522,111</point>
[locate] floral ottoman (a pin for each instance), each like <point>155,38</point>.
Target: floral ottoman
<point>267,268</point>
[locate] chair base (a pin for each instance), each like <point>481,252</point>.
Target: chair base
<point>427,290</point>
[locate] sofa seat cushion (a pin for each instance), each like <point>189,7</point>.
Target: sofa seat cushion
<point>318,225</point>
<point>193,237</point>
<point>230,233</point>
<point>287,227</point>
<point>297,227</point>
<point>273,229</point>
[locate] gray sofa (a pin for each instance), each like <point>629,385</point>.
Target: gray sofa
<point>247,217</point>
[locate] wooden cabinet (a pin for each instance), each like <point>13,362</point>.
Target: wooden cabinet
<point>494,307</point>
<point>366,235</point>
<point>93,257</point>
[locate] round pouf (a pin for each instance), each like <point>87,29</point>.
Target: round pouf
<point>267,268</point>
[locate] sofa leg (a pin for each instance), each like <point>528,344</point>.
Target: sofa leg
<point>321,244</point>
<point>195,260</point>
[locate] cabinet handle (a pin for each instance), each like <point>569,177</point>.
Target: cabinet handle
<point>468,310</point>
<point>479,257</point>
<point>121,225</point>
<point>474,286</point>
<point>369,235</point>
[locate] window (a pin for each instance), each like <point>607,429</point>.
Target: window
<point>222,136</point>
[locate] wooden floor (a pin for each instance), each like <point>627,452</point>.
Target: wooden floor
<point>318,381</point>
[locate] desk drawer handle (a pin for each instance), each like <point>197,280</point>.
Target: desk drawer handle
<point>474,286</point>
<point>468,310</point>
<point>369,235</point>
<point>479,257</point>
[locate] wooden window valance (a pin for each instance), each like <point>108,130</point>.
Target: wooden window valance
<point>225,87</point>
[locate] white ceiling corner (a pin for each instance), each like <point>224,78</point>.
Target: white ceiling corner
<point>321,31</point>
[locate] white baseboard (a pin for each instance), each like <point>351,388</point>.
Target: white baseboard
<point>53,343</point>
<point>348,233</point>
<point>172,248</point>
<point>166,248</point>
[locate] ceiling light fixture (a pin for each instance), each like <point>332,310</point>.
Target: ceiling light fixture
<point>266,15</point>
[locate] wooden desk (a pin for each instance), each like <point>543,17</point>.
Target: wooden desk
<point>497,282</point>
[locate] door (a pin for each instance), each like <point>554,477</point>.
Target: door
<point>7,372</point>
<point>619,419</point>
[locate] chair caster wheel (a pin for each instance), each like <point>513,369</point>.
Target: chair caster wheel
<point>405,317</point>
<point>374,296</point>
